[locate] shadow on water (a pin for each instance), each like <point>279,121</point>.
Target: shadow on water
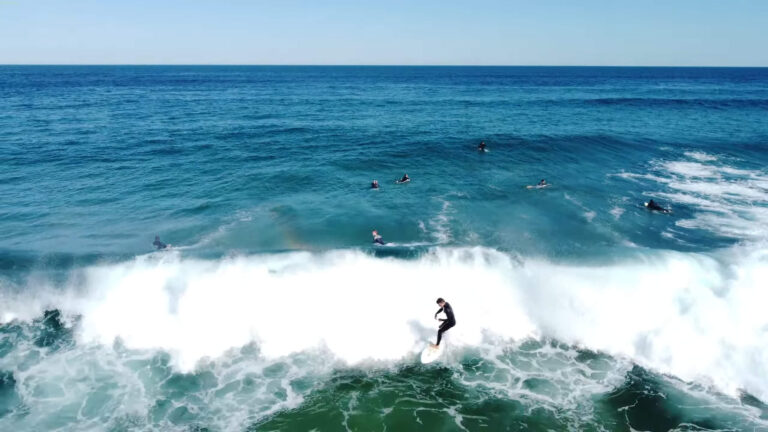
<point>654,403</point>
<point>53,333</point>
<point>9,399</point>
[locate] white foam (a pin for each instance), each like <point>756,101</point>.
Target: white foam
<point>95,387</point>
<point>440,224</point>
<point>691,169</point>
<point>692,316</point>
<point>720,191</point>
<point>727,201</point>
<point>701,156</point>
<point>638,177</point>
<point>589,214</point>
<point>351,303</point>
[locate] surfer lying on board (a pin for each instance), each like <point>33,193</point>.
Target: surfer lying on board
<point>543,182</point>
<point>405,179</point>
<point>449,322</point>
<point>377,238</point>
<point>158,244</point>
<point>652,205</point>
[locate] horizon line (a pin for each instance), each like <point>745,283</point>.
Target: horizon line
<point>381,65</point>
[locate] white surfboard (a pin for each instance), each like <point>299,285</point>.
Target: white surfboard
<point>431,354</point>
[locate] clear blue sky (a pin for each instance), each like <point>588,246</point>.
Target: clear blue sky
<point>497,32</point>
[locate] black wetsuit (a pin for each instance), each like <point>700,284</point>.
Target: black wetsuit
<point>378,240</point>
<point>447,323</point>
<point>653,206</point>
<point>159,244</point>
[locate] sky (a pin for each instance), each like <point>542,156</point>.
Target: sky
<point>390,32</point>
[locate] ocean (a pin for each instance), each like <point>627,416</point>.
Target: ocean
<point>577,308</point>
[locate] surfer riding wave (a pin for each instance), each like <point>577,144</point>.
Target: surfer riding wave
<point>447,324</point>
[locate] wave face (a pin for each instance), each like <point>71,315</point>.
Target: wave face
<point>577,307</point>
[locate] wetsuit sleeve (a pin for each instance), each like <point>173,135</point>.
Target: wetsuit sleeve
<point>440,310</point>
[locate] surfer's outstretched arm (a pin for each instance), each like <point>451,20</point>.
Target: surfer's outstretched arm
<point>439,310</point>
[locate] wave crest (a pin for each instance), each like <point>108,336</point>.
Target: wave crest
<point>695,316</point>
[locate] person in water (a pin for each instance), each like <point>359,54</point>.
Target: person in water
<point>158,244</point>
<point>375,184</point>
<point>449,322</point>
<point>481,147</point>
<point>405,178</point>
<point>377,238</point>
<point>652,205</point>
<point>543,182</point>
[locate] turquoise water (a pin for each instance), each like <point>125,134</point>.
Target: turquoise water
<point>577,308</point>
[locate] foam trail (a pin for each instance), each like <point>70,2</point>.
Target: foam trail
<point>701,156</point>
<point>727,201</point>
<point>694,316</point>
<point>440,224</point>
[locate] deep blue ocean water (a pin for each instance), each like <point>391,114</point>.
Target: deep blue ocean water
<point>578,308</point>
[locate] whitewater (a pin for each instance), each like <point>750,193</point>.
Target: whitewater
<point>689,315</point>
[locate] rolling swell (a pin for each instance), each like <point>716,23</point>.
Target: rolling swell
<point>724,103</point>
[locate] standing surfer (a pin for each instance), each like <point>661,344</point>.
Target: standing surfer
<point>449,322</point>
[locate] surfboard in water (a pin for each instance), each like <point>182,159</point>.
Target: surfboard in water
<point>431,354</point>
